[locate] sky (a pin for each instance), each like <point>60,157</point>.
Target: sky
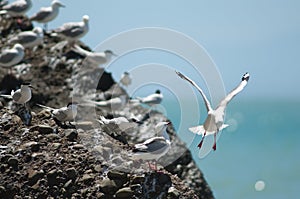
<point>259,37</point>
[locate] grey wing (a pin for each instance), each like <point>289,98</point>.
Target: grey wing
<point>207,103</point>
<point>60,115</point>
<point>155,145</point>
<point>234,92</point>
<point>16,96</point>
<point>15,6</point>
<point>7,57</point>
<point>26,38</point>
<point>40,15</point>
<point>73,32</point>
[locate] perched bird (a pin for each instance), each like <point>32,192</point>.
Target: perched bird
<point>121,123</point>
<point>47,14</point>
<point>111,104</point>
<point>17,8</point>
<point>64,114</point>
<point>215,118</point>
<point>95,58</point>
<point>22,95</point>
<point>152,99</point>
<point>125,79</point>
<point>11,57</point>
<point>73,31</point>
<point>29,39</point>
<point>155,147</point>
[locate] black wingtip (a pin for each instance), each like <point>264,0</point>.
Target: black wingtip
<point>246,77</point>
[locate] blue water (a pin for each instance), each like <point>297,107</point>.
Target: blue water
<point>263,143</point>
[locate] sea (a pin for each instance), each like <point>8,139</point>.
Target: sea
<point>257,156</point>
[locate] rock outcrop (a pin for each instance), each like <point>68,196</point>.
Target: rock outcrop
<point>45,160</point>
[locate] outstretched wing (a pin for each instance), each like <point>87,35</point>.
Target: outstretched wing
<point>197,130</point>
<point>207,104</point>
<point>221,107</point>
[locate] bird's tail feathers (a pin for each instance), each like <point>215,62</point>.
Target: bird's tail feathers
<point>197,129</point>
<point>102,119</point>
<point>46,107</point>
<point>6,96</point>
<point>224,126</point>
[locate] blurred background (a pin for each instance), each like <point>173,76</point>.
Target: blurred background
<point>258,155</point>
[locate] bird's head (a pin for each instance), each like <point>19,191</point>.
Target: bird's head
<point>72,105</point>
<point>110,53</point>
<point>246,77</point>
<point>161,126</point>
<point>57,4</point>
<point>26,84</point>
<point>85,18</point>
<point>37,30</point>
<point>18,46</point>
<point>157,91</point>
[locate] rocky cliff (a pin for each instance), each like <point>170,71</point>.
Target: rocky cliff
<point>45,160</point>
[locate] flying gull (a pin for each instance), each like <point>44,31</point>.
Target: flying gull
<point>215,118</point>
<point>47,14</point>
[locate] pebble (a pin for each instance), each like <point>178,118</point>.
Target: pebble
<point>108,186</point>
<point>115,174</point>
<point>125,192</point>
<point>13,162</point>
<point>78,146</point>
<point>71,173</point>
<point>71,135</point>
<point>44,129</point>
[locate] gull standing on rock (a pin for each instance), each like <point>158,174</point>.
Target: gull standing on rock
<point>29,39</point>
<point>11,57</point>
<point>73,31</point>
<point>215,118</point>
<point>152,99</point>
<point>22,95</point>
<point>47,14</point>
<point>95,58</point>
<point>17,8</point>
<point>122,123</point>
<point>125,79</point>
<point>111,104</point>
<point>156,147</point>
<point>64,114</point>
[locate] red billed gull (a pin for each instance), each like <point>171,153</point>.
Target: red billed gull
<point>17,8</point>
<point>95,58</point>
<point>29,39</point>
<point>152,99</point>
<point>11,57</point>
<point>73,31</point>
<point>22,95</point>
<point>121,123</point>
<point>155,147</point>
<point>64,114</point>
<point>215,118</point>
<point>113,104</point>
<point>46,14</point>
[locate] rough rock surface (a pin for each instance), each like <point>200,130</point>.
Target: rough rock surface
<point>45,160</point>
